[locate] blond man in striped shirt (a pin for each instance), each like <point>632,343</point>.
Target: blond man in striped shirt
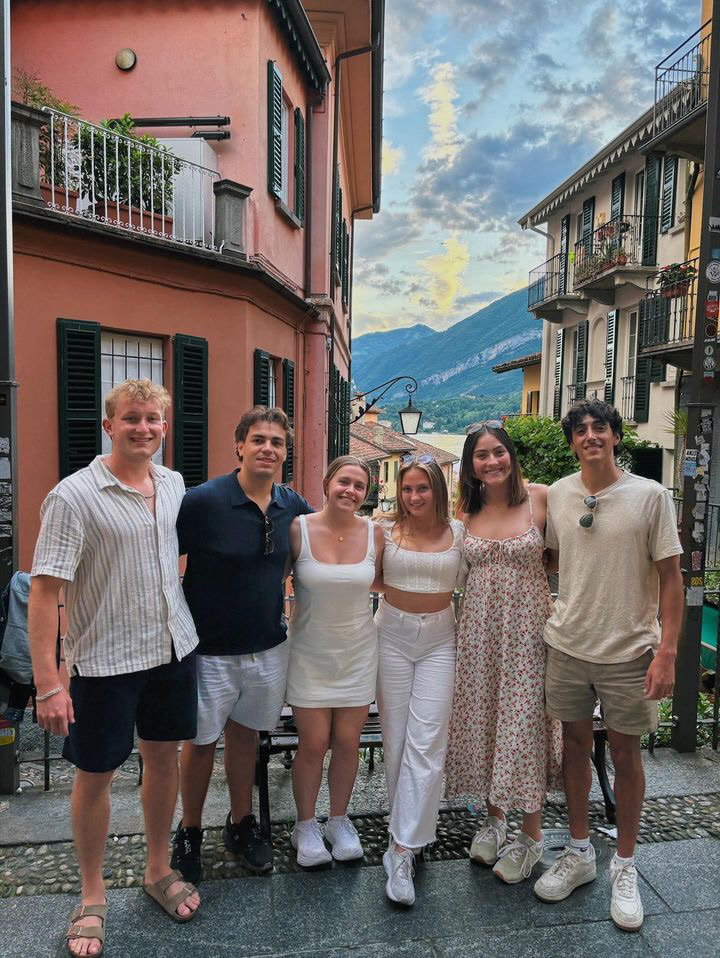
<point>108,540</point>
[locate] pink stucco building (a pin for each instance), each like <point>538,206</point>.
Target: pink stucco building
<point>223,270</point>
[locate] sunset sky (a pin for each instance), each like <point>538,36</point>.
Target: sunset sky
<point>490,104</point>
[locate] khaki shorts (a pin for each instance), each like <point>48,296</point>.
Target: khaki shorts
<point>572,687</point>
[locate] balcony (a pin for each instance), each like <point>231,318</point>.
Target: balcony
<point>667,325</point>
<point>548,289</point>
<point>681,91</point>
<point>612,256</point>
<point>627,399</point>
<point>93,173</point>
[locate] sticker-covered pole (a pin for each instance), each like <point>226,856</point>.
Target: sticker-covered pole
<point>8,387</point>
<point>703,397</point>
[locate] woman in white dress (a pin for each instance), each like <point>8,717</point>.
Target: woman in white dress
<point>416,635</point>
<point>332,670</point>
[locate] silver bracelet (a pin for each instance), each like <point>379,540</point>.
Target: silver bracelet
<point>47,695</point>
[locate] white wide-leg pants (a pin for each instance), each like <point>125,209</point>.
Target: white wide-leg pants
<point>416,674</point>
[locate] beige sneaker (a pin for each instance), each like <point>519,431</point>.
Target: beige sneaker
<point>488,841</point>
<point>517,860</point>
<point>570,870</point>
<point>626,909</point>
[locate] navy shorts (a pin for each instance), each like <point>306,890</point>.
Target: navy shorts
<point>161,702</point>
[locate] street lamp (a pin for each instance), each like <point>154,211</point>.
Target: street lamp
<point>410,415</point>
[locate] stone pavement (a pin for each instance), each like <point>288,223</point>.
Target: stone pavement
<point>461,910</point>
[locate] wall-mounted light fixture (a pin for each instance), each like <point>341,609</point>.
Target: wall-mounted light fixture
<point>125,59</point>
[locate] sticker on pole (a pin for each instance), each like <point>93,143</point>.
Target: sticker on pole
<point>690,463</point>
<point>713,271</point>
<point>694,595</point>
<point>7,736</point>
<point>714,224</point>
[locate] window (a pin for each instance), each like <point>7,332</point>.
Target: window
<point>272,382</point>
<point>395,469</point>
<point>632,343</point>
<point>387,470</point>
<point>286,148</point>
<point>639,199</point>
<point>573,354</point>
<point>129,357</point>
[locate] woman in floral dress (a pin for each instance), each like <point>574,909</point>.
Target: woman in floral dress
<point>502,748</point>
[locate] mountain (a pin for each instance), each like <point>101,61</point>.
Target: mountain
<point>456,361</point>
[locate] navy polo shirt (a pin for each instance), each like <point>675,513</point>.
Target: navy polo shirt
<point>234,590</point>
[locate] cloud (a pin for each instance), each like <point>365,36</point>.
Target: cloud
<point>443,272</point>
<point>440,94</point>
<point>388,231</point>
<point>392,157</point>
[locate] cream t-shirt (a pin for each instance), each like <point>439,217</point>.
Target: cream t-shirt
<point>607,604</point>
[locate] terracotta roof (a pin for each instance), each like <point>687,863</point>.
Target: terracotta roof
<point>532,360</point>
<point>382,437</point>
<point>365,450</point>
<point>377,442</point>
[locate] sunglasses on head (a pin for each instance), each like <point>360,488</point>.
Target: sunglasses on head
<point>422,460</point>
<point>587,520</point>
<point>477,426</point>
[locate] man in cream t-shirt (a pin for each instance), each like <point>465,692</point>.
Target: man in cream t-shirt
<point>618,547</point>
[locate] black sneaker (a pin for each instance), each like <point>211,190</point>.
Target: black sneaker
<point>187,843</point>
<point>245,840</point>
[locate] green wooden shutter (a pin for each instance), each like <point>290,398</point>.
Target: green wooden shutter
<point>610,354</point>
<point>559,353</point>
<point>345,267</point>
<point>79,399</point>
<point>275,145</point>
<point>617,200</point>
<point>588,219</point>
<point>657,371</point>
<point>261,387</point>
<point>190,408</point>
<point>642,388</point>
<point>581,364</point>
<point>289,407</point>
<point>669,186</point>
<point>650,213</point>
<point>345,425</point>
<point>299,165</point>
<point>564,249</point>
<point>338,231</point>
<point>332,413</point>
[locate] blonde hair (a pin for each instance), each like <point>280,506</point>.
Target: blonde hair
<point>137,390</point>
<point>337,464</point>
<point>438,487</point>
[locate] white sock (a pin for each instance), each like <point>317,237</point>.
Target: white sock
<point>537,844</point>
<point>624,861</point>
<point>581,845</point>
<point>306,821</point>
<point>337,818</point>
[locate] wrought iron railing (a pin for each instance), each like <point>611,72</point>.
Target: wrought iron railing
<point>617,243</point>
<point>572,393</point>
<point>94,173</point>
<point>668,314</point>
<point>627,401</point>
<point>682,80</point>
<point>548,280</point>
<point>712,532</point>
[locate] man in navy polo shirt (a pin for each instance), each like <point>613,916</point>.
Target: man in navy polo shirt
<point>234,530</point>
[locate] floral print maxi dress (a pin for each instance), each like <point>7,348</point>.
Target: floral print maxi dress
<point>502,746</point>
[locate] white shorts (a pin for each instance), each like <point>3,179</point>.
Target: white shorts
<point>249,689</point>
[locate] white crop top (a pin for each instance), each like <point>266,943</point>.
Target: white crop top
<point>429,572</point>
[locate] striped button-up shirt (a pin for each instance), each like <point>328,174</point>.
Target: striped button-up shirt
<point>124,604</point>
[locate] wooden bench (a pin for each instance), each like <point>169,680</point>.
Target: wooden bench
<point>284,739</point>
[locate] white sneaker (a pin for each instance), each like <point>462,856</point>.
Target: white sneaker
<point>570,870</point>
<point>400,868</point>
<point>626,909</point>
<point>517,860</point>
<point>343,836</point>
<point>488,841</point>
<point>307,838</point>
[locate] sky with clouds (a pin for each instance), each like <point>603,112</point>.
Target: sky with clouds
<point>489,105</point>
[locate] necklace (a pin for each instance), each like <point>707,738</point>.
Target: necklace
<point>151,496</point>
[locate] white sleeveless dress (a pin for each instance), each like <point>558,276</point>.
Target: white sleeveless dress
<point>332,635</point>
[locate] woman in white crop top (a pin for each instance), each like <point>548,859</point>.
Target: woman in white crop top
<point>416,644</point>
<point>333,655</point>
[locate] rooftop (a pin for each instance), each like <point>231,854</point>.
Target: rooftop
<point>372,442</point>
<point>532,360</point>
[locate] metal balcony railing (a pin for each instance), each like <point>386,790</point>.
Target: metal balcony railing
<point>682,80</point>
<point>548,280</point>
<point>668,315</point>
<point>94,173</point>
<point>627,401</point>
<point>617,243</point>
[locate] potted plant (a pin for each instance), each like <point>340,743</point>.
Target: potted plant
<point>675,279</point>
<point>129,183</point>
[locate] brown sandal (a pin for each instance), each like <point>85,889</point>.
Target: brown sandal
<point>157,892</point>
<point>76,931</point>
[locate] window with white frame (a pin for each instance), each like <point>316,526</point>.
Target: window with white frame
<point>130,357</point>
<point>632,343</point>
<point>639,198</point>
<point>272,382</point>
